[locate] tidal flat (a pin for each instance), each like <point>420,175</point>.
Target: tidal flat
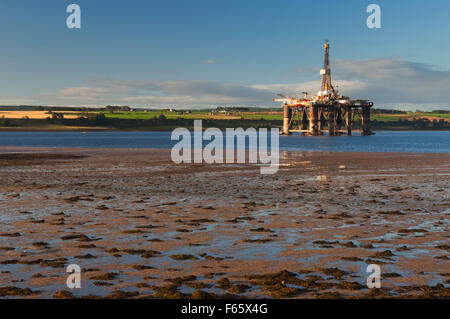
<point>140,226</point>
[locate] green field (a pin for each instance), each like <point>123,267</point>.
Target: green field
<point>443,116</point>
<point>151,114</point>
<point>153,120</point>
<point>384,118</point>
<point>199,114</point>
<point>193,115</point>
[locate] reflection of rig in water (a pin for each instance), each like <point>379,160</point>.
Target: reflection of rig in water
<point>325,112</point>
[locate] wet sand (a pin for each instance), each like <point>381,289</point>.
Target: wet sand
<point>140,226</point>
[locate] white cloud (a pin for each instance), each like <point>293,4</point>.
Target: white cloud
<point>312,87</point>
<point>161,93</point>
<point>387,82</point>
<point>398,82</point>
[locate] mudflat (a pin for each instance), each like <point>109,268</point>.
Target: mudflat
<point>140,226</point>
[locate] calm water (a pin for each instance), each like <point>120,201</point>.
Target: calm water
<point>412,141</point>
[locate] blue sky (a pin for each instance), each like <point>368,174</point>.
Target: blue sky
<point>199,53</point>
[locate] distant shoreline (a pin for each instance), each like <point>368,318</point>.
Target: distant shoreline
<point>168,120</point>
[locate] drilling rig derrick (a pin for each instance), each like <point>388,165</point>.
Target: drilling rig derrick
<point>326,112</point>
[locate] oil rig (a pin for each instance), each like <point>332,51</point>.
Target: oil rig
<point>325,112</point>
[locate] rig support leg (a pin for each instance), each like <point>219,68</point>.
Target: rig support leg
<point>348,120</point>
<point>314,120</point>
<point>304,118</point>
<point>331,118</point>
<point>321,120</point>
<point>286,119</point>
<point>365,121</point>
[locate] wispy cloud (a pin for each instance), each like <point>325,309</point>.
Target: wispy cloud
<point>306,70</point>
<point>209,62</point>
